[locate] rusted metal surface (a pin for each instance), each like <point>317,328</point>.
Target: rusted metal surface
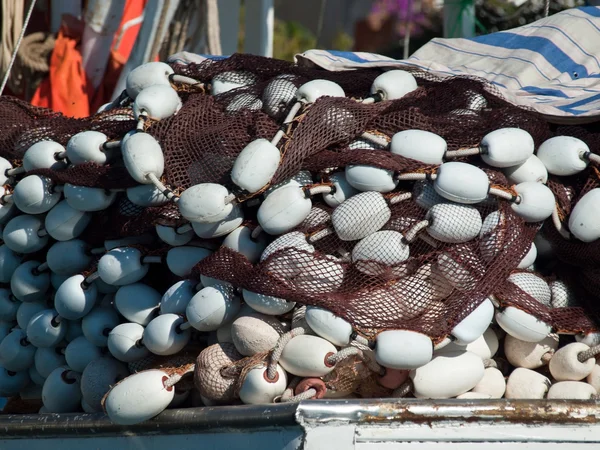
<point>177,421</point>
<point>390,412</point>
<point>373,420</point>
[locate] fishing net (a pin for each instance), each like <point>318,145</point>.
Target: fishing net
<point>200,144</point>
<point>430,292</point>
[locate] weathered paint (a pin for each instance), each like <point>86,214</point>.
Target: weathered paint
<point>325,425</point>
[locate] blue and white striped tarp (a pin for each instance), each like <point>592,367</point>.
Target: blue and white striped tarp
<point>552,65</point>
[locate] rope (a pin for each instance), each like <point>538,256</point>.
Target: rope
<point>414,231</point>
<point>12,21</point>
<point>559,225</point>
<point>343,354</point>
<point>298,317</point>
<point>278,350</point>
<point>367,355</point>
<point>174,379</point>
<point>490,363</point>
<point>35,50</point>
<point>213,30</point>
<point>403,390</point>
<point>503,194</point>
<point>19,40</point>
<point>321,234</point>
<point>289,391</point>
<point>547,8</point>
<point>450,154</point>
<point>546,357</point>
<point>400,197</point>
<point>32,63</point>
<point>321,189</point>
<point>589,353</point>
<point>412,177</point>
<point>373,138</point>
<point>306,395</point>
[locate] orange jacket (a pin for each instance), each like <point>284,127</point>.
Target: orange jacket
<point>66,88</point>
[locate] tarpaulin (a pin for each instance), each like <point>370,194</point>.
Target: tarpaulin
<point>551,65</point>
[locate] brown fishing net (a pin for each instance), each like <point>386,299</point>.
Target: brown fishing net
<point>430,292</point>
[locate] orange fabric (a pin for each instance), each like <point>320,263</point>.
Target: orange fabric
<point>66,89</point>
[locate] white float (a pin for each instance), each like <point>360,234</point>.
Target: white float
<point>138,302</point>
<point>138,397</point>
<point>255,165</point>
<point>403,349</point>
<point>88,199</point>
<point>98,323</point>
<point>506,147</point>
<point>461,183</point>
<point>393,84</point>
<point>64,223</point>
<point>254,333</point>
<point>563,155</point>
<point>526,384</point>
<point>536,201</point>
<point>74,299</point>
<point>329,326</point>
<point>44,330</point>
<point>474,325</point>
<point>177,297</point>
<point>68,258</point>
<point>420,145</point>
<point>28,284</point>
<point>181,260</point>
<point>61,392</point>
<point>584,220</point>
<point>142,156</point>
<point>267,304</point>
<point>205,203</point>
<point>306,356</point>
<point>164,336</point>
<point>157,102</point>
<point>565,365</point>
<point>360,216</point>
<point>530,355</point>
<point>342,190</point>
<point>531,170</point>
<point>97,379</point>
<point>80,352</point>
<point>241,241</point>
<point>283,209</point>
<point>453,223</point>
<point>222,228</point>
<point>522,325</point>
<point>87,146</point>
<point>258,389</point>
<point>43,155</point>
<point>447,375</point>
<point>16,352</point>
<point>122,266</point>
<point>125,342</point>
<point>146,75</point>
<point>212,307</point>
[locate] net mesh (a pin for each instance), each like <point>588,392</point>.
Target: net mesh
<point>436,287</point>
